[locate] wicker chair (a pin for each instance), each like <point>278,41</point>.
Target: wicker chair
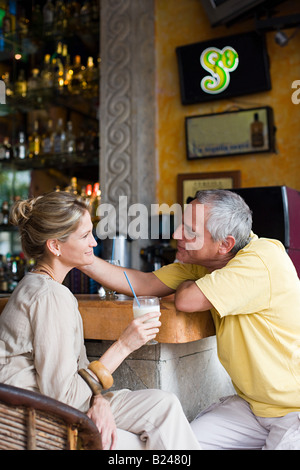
<point>30,421</point>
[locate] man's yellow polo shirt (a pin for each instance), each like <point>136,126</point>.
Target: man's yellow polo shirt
<point>256,299</point>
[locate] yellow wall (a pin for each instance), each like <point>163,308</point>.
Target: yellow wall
<point>183,22</point>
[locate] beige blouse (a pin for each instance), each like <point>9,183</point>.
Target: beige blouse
<point>41,341</point>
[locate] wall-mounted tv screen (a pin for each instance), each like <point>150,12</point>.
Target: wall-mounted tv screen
<point>223,68</point>
<point>226,11</point>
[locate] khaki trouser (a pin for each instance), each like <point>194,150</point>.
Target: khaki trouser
<point>150,419</point>
<point>231,425</point>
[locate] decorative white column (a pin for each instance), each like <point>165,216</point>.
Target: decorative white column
<point>127,105</point>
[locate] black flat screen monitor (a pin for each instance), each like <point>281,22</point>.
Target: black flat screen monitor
<point>270,215</point>
<point>226,11</point>
<point>223,68</point>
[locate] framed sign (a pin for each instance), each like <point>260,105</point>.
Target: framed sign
<point>189,183</point>
<point>230,133</point>
<point>223,67</point>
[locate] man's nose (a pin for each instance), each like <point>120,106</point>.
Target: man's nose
<point>177,235</point>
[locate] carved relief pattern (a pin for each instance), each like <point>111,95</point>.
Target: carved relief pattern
<point>127,106</point>
<point>116,101</point>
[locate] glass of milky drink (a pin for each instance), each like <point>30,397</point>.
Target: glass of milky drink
<point>147,304</point>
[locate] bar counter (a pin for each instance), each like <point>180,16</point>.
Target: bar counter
<point>106,319</point>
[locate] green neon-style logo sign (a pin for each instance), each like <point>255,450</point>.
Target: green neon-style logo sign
<point>219,63</point>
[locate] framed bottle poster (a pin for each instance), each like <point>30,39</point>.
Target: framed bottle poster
<point>230,133</point>
<point>189,183</point>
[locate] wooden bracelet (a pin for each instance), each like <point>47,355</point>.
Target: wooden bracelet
<point>94,386</point>
<point>103,375</point>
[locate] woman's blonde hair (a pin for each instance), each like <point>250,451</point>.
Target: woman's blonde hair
<point>54,215</point>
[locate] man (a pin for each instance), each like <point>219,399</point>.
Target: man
<point>253,291</point>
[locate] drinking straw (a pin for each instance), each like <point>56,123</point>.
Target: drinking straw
<point>132,289</point>
<point>113,250</point>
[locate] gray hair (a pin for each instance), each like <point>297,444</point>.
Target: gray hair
<point>228,215</point>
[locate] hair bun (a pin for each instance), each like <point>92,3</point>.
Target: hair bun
<point>21,211</point>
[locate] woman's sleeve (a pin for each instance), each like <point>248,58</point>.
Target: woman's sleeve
<point>57,344</point>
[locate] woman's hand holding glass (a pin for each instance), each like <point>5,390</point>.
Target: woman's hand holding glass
<point>140,331</point>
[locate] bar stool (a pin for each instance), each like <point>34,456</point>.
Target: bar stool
<point>31,421</point>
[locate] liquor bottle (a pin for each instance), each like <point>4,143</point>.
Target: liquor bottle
<point>8,85</point>
<point>34,80</point>
<point>70,138</point>
<point>7,148</point>
<point>58,74</point>
<point>88,192</point>
<point>36,16</point>
<point>97,192</point>
<point>59,138</point>
<point>82,194</point>
<point>75,8</point>
<point>48,14</point>
<point>257,135</point>
<point>58,52</point>
<point>73,186</point>
<point>47,73</point>
<point>6,22</point>
<point>70,13</point>
<point>95,203</point>
<point>22,25</point>
<point>20,149</point>
<point>34,142</point>
<point>80,142</point>
<point>3,281</point>
<point>21,84</point>
<point>5,213</point>
<point>90,76</point>
<point>95,10</point>
<point>47,139</point>
<point>67,66</point>
<point>77,76</point>
<point>86,13</point>
<point>60,20</point>
<point>14,274</point>
<point>90,140</point>
<point>64,54</point>
<point>2,150</point>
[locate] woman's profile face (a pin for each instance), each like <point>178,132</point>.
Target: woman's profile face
<point>77,250</point>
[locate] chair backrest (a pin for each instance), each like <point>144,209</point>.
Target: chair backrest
<point>32,421</point>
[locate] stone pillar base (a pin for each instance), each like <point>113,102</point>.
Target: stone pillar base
<point>191,370</point>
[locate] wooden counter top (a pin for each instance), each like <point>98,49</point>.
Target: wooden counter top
<point>106,319</point>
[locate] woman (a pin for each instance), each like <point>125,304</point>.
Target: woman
<point>41,335</point>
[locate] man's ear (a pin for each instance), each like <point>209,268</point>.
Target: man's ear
<point>226,245</point>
